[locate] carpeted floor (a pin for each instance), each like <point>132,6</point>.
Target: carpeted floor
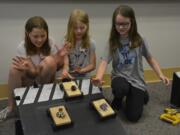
<point>149,124</point>
<point>7,127</point>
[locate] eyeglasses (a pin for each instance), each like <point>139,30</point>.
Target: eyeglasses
<point>123,25</point>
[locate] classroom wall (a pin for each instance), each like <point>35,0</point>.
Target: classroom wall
<point>158,22</point>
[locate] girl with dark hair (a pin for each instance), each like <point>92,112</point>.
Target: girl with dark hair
<point>35,62</point>
<point>126,49</point>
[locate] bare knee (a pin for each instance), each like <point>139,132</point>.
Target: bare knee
<point>48,66</point>
<point>49,62</point>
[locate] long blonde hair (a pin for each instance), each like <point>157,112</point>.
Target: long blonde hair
<point>81,16</point>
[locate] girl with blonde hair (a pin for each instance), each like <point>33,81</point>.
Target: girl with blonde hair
<point>82,57</point>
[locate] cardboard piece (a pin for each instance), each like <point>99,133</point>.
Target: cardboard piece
<point>103,108</point>
<point>59,116</point>
<point>71,89</point>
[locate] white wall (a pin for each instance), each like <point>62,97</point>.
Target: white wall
<point>158,22</point>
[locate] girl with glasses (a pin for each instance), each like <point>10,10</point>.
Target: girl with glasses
<point>125,49</point>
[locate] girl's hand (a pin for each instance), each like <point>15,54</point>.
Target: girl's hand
<point>65,49</point>
<point>97,81</point>
<point>65,74</point>
<point>165,80</point>
<point>78,70</point>
<point>23,64</point>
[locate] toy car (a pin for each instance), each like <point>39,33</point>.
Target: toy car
<point>171,115</point>
<point>170,111</point>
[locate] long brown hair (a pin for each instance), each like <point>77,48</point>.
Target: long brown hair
<point>134,36</point>
<point>81,16</point>
<point>36,22</point>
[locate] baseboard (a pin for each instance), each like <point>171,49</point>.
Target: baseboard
<point>149,75</point>
<point>3,91</point>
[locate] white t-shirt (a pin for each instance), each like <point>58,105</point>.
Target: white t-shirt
<point>37,58</point>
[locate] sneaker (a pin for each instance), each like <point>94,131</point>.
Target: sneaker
<point>116,104</point>
<point>146,97</point>
<point>4,114</point>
